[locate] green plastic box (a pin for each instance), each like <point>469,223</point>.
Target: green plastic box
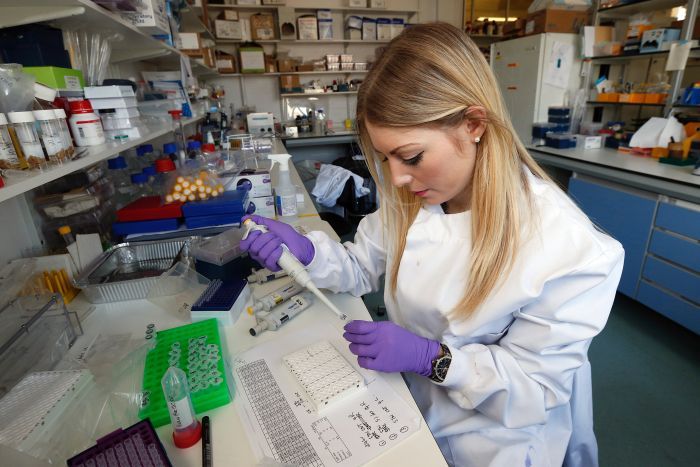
<point>192,348</point>
<point>57,77</point>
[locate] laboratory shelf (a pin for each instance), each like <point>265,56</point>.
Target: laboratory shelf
<point>311,94</point>
<point>624,103</point>
<point>610,58</point>
<point>277,73</point>
<point>246,8</point>
<point>630,8</point>
<point>302,42</point>
<point>134,44</point>
<point>91,155</point>
<point>349,9</point>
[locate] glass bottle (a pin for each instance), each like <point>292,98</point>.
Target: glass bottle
<point>67,139</point>
<point>51,134</point>
<point>9,159</point>
<point>27,138</point>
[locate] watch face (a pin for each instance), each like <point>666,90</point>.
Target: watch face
<point>442,366</point>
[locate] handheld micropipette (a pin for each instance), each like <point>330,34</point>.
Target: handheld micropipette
<point>264,275</point>
<point>186,428</point>
<point>295,269</point>
<point>277,317</point>
<point>273,299</point>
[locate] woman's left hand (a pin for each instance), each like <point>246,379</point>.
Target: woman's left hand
<point>385,346</point>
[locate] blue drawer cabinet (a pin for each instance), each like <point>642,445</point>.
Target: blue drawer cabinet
<point>628,216</point>
<point>677,218</point>
<point>675,279</point>
<point>677,249</point>
<point>673,307</point>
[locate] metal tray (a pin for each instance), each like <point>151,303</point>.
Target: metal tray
<point>128,271</point>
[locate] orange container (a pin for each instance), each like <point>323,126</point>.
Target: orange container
<point>636,97</point>
<point>624,97</point>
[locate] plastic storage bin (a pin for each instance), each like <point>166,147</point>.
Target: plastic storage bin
<point>149,208</point>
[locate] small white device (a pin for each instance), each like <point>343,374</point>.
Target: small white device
<point>324,374</point>
<point>260,123</point>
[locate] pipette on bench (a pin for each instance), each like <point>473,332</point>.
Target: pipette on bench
<point>295,269</point>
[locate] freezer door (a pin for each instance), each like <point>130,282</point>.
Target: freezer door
<point>517,66</point>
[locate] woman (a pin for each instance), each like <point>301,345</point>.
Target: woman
<point>495,281</point>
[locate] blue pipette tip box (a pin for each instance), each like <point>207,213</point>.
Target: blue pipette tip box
<point>223,300</point>
<point>134,444</point>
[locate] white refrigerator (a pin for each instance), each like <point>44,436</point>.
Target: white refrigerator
<point>534,73</point>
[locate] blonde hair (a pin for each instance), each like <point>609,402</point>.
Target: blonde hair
<point>433,75</point>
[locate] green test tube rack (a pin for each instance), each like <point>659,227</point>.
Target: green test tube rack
<point>196,349</point>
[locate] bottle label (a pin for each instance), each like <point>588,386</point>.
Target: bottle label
<point>89,129</point>
<point>8,156</point>
<point>287,205</point>
<point>53,144</point>
<point>180,413</point>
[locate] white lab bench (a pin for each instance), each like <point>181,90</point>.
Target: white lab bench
<point>229,440</point>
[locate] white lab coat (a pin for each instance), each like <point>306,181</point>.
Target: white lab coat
<point>518,391</point>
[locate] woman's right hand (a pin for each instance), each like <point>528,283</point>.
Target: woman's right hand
<point>266,248</point>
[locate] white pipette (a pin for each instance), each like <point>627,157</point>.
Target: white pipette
<point>295,269</point>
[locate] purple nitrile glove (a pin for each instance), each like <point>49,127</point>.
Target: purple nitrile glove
<point>385,346</point>
<point>266,249</point>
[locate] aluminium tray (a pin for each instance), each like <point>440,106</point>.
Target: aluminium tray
<point>128,271</point>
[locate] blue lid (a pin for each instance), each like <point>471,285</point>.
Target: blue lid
<point>116,163</point>
<point>139,178</point>
<point>150,171</point>
<point>186,110</point>
<point>144,149</point>
<point>194,145</point>
<point>170,148</point>
<point>229,203</point>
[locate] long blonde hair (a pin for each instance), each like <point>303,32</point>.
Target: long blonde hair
<point>433,75</point>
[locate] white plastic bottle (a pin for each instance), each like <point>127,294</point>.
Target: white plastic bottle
<point>85,125</point>
<point>285,191</point>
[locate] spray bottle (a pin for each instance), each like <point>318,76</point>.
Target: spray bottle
<point>285,191</point>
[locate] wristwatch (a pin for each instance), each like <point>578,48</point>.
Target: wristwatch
<point>441,365</point>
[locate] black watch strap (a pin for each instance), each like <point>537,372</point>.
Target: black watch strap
<point>441,365</point>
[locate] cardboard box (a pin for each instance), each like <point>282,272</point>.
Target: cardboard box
<point>593,35</point>
<point>151,16</point>
<point>369,29</point>
<point>397,25</point>
<point>92,92</point>
<point>252,60</point>
<point>288,83</point>
<point>57,77</point>
<point>286,65</point>
<point>383,29</point>
<point>247,2</point>
<point>556,20</point>
<point>225,29</point>
<point>189,41</point>
<point>262,26</point>
<point>325,29</point>
<point>656,40</point>
<point>377,3</point>
<point>357,3</point>
<point>270,64</point>
<point>229,15</point>
<point>225,63</point>
<point>307,25</point>
<point>263,206</point>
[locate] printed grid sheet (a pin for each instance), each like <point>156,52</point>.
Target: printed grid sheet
<point>282,430</point>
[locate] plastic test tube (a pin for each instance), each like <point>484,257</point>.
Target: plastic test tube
<point>186,428</point>
<point>276,318</point>
<point>273,299</point>
<point>265,275</point>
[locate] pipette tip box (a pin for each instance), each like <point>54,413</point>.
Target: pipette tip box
<point>324,374</point>
<point>223,300</point>
<point>136,445</point>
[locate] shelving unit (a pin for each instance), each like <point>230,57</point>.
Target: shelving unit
<point>319,94</point>
<point>623,12</point>
<point>92,155</point>
<point>134,44</point>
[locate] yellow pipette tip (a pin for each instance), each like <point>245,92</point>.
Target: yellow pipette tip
<point>250,310</point>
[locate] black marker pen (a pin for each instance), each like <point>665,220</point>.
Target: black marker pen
<point>207,460</point>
